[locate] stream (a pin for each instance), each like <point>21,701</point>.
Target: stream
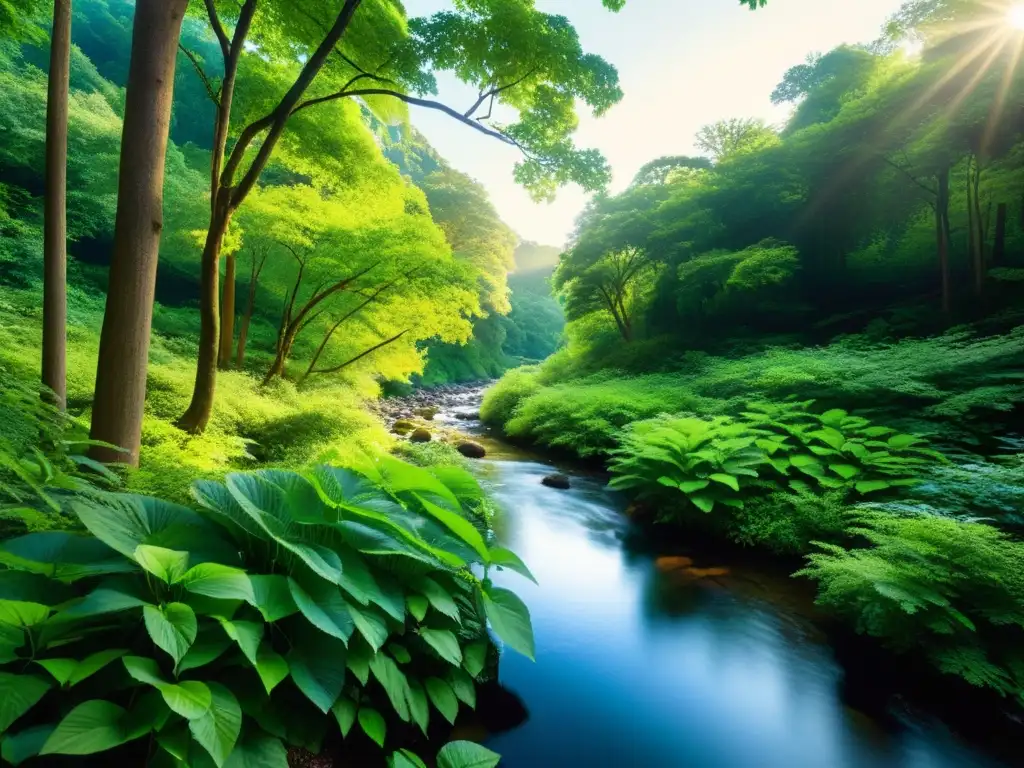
<point>643,663</point>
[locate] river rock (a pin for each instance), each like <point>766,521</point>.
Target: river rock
<point>403,427</point>
<point>421,435</point>
<point>559,481</point>
<point>428,412</point>
<point>471,450</point>
<point>704,573</point>
<point>474,416</point>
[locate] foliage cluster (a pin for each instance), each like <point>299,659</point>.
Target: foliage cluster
<point>291,606</point>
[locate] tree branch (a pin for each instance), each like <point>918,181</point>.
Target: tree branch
<point>361,355</point>
<point>210,91</point>
<point>484,95</point>
<point>910,176</point>
<point>218,28</point>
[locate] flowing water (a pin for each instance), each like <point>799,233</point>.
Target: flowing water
<point>642,662</point>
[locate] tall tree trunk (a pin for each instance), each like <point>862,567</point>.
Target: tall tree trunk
<point>942,236</point>
<point>999,245</point>
<point>980,267</point>
<point>55,232</point>
<point>197,416</point>
<point>227,313</point>
<point>250,306</point>
<point>124,341</point>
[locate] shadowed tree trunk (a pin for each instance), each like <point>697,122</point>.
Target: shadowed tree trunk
<point>227,313</point>
<point>55,231</point>
<point>999,244</point>
<point>258,260</point>
<point>124,341</point>
<point>942,238</point>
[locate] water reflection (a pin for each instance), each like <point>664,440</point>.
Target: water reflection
<point>646,666</point>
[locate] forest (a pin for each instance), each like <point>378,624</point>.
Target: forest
<point>229,259</point>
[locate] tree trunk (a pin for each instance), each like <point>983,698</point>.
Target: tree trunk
<point>250,306</point>
<point>942,236</point>
<point>284,349</point>
<point>980,267</point>
<point>197,416</point>
<point>999,245</point>
<point>55,232</point>
<point>124,342</point>
<point>227,313</point>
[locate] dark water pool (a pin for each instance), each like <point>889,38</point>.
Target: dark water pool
<point>637,666</point>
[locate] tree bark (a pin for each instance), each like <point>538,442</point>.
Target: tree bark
<point>227,313</point>
<point>55,232</point>
<point>980,267</point>
<point>124,341</point>
<point>250,306</point>
<point>942,237</point>
<point>999,244</point>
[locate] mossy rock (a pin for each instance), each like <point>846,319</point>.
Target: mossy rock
<point>421,435</point>
<point>471,450</point>
<point>403,427</point>
<point>427,413</point>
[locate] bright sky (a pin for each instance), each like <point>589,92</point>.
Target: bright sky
<point>682,64</point>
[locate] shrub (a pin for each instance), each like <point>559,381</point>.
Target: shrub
<point>787,522</point>
<point>292,604</point>
<point>501,401</point>
<point>951,589</point>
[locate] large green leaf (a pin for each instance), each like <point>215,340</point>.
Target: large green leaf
<point>418,606</point>
<point>114,595</point>
<point>445,643</point>
<point>405,759</point>
<point>23,614</point>
<point>344,710</point>
<point>248,635</point>
<point>401,477</point>
<point>371,626</point>
<point>91,727</point>
<point>394,683</point>
<point>172,627</point>
<point>190,699</point>
<point>217,499</point>
<point>168,565</point>
<point>317,665</point>
<point>124,521</point>
<point>359,656</point>
<point>458,525</point>
<point>209,646</point>
<point>462,686</point>
<point>324,607</point>
<point>72,671</point>
<point>217,731</point>
<point>466,754</point>
<point>18,694</point>
<point>257,750</point>
<point>507,559</point>
<point>16,748</point>
<point>373,725</point>
<point>419,705</point>
<point>272,597</point>
<point>439,597</point>
<point>33,588</point>
<point>62,555</point>
<point>443,698</point>
<point>219,581</point>
<point>474,657</point>
<point>271,667</point>
<point>510,619</point>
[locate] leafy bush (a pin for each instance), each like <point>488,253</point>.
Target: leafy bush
<point>501,401</point>
<point>787,522</point>
<point>291,604</point>
<point>951,589</point>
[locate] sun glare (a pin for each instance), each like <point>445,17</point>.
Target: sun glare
<point>912,48</point>
<point>1015,16</point>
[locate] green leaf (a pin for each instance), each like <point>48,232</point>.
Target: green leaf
<point>692,486</point>
<point>168,565</point>
<point>344,710</point>
<point>832,437</point>
<point>271,667</point>
<point>417,605</point>
<point>208,647</point>
<point>91,727</point>
<point>419,705</point>
<point>325,608</point>
<point>668,482</point>
<point>62,555</point>
<point>466,754</point>
<point>871,486</point>
<point>217,731</point>
<point>400,652</point>
<point>462,686</point>
<point>724,479</point>
<point>439,598</point>
<point>458,525</point>
<point>507,559</point>
<point>113,596</point>
<point>248,635</point>
<point>22,614</point>
<point>219,581</point>
<point>272,597</point>
<point>16,748</point>
<point>445,643</point>
<point>405,759</point>
<point>443,698</point>
<point>172,627</point>
<point>71,671</point>
<point>317,665</point>
<point>845,471</point>
<point>190,699</point>
<point>359,656</point>
<point>899,442</point>
<point>372,723</point>
<point>370,625</point>
<point>18,694</point>
<point>703,502</point>
<point>833,418</point>
<point>474,657</point>
<point>510,619</point>
<point>394,682</point>
<point>258,750</point>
